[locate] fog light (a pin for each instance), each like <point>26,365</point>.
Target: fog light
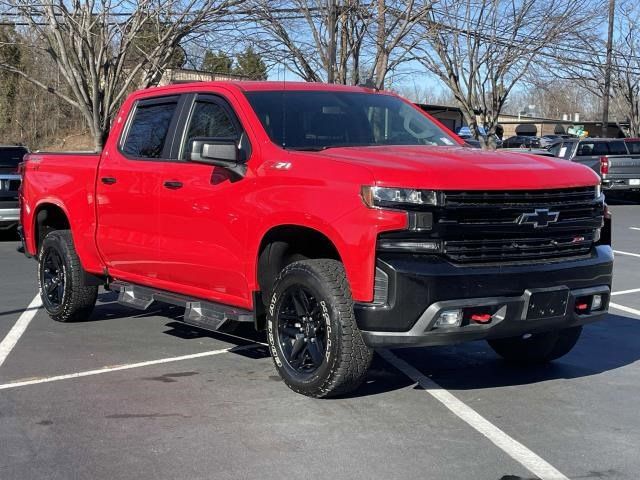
<point>596,302</point>
<point>449,318</point>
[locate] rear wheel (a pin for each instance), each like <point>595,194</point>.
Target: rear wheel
<point>64,295</point>
<point>538,347</point>
<point>315,343</point>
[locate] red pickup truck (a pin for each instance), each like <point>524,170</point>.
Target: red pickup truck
<point>339,219</point>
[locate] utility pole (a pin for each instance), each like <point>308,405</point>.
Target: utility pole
<point>607,74</point>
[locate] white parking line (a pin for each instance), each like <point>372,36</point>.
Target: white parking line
<point>619,252</point>
<point>625,309</point>
<point>509,445</point>
<point>116,368</point>
<point>623,292</point>
<point>19,328</point>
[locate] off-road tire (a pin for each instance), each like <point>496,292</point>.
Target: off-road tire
<point>346,358</point>
<point>539,348</point>
<point>78,300</point>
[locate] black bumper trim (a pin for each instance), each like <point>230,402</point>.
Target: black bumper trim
<point>509,321</point>
<point>418,282</point>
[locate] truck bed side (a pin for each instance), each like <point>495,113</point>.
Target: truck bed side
<point>65,182</point>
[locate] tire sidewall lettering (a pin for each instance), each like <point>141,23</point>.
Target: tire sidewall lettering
<point>270,335</point>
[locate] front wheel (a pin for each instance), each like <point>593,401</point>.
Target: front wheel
<point>538,347</point>
<point>64,295</point>
<point>315,343</point>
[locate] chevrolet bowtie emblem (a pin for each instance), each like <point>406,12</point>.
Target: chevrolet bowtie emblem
<point>542,217</point>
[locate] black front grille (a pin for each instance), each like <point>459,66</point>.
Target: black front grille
<point>519,226</point>
<point>475,227</point>
<point>518,249</point>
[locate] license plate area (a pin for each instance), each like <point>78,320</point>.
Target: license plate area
<point>634,182</point>
<point>546,303</point>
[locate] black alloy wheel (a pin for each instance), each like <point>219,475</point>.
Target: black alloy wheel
<point>315,343</point>
<point>63,289</point>
<point>302,332</point>
<point>52,278</point>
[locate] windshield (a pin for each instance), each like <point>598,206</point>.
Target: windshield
<point>312,120</point>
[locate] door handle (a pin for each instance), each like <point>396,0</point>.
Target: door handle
<point>172,184</point>
<point>108,180</point>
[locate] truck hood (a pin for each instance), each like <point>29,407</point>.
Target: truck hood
<point>460,168</point>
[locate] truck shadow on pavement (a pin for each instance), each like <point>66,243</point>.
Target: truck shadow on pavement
<point>606,345</point>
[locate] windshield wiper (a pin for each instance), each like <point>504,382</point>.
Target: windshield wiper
<point>313,148</point>
<point>307,149</point>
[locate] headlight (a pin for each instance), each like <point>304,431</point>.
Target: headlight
<point>397,197</point>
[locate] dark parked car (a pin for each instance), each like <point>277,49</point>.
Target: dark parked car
<point>543,152</point>
<point>10,158</point>
<point>521,141</point>
<point>548,140</point>
<point>465,134</point>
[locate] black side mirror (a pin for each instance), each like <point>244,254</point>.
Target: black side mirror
<point>219,152</point>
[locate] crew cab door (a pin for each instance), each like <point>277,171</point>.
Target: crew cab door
<point>202,221</point>
<point>129,186</point>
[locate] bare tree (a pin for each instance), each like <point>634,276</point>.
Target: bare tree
<point>626,67</point>
<point>395,34</point>
<point>481,49</point>
<point>93,44</point>
<point>339,41</point>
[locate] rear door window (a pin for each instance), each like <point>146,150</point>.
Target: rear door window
<point>147,133</point>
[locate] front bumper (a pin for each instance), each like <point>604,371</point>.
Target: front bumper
<point>421,287</point>
<point>9,217</point>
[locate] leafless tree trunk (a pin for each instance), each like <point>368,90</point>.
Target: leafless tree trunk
<point>338,40</point>
<point>92,43</point>
<point>481,49</point>
<point>626,67</point>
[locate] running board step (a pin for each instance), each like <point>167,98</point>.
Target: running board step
<point>198,312</point>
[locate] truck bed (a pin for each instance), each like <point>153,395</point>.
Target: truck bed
<point>624,172</point>
<point>68,181</point>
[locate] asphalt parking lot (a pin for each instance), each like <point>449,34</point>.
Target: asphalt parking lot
<point>138,395</point>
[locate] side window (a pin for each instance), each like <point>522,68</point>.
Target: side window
<point>148,130</point>
<point>567,149</point>
<point>557,150</point>
<point>208,120</point>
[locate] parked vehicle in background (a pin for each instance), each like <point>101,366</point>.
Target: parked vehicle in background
<point>521,141</point>
<point>609,157</point>
<point>337,218</point>
<point>465,134</point>
<point>548,140</point>
<point>10,158</point>
<point>633,145</point>
<point>543,152</point>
